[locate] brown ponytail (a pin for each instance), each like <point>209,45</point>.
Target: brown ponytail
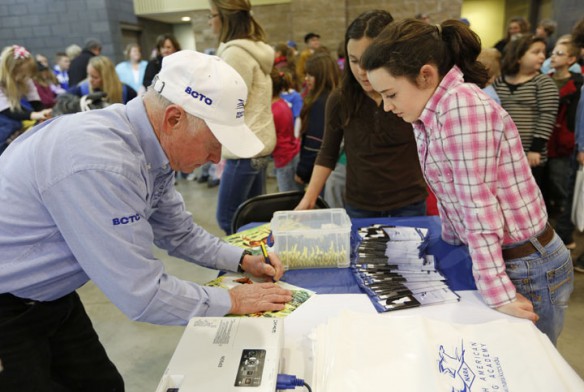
<point>404,47</point>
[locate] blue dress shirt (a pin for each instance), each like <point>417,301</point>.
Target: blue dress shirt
<point>84,196</point>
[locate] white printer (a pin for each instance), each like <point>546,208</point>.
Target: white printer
<point>226,354</point>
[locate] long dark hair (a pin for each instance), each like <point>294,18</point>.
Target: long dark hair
<point>367,25</point>
<point>326,78</point>
<point>237,21</point>
<point>514,50</point>
<point>404,47</point>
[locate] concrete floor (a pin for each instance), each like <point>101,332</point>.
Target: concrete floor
<point>142,351</point>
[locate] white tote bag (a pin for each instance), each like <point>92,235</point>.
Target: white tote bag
<point>362,352</point>
<point>578,202</point>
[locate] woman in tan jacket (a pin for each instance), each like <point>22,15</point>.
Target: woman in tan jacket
<point>242,46</point>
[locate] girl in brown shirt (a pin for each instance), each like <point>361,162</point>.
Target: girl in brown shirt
<point>383,171</point>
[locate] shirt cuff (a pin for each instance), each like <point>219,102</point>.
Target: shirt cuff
<point>537,144</point>
<point>497,291</point>
<point>228,257</point>
<point>220,302</point>
<point>451,240</point>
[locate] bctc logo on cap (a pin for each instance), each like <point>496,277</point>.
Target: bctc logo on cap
<point>239,108</point>
<point>199,96</point>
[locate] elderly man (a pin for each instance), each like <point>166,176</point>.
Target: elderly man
<point>85,196</point>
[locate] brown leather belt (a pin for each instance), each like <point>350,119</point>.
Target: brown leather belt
<point>527,248</point>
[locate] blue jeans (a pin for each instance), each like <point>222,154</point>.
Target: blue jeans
<point>415,209</point>
<point>546,278</point>
<point>285,176</point>
<point>241,180</point>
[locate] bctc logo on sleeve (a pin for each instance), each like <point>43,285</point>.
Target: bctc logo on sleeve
<point>124,220</point>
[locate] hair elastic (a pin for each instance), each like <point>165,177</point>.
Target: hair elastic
<point>439,27</point>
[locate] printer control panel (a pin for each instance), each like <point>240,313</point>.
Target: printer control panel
<point>251,367</point>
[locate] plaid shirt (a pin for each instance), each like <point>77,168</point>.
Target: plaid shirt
<point>473,161</point>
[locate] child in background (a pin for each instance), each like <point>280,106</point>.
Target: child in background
<point>285,153</point>
<point>61,69</point>
<point>530,98</point>
<point>19,99</point>
<point>473,160</point>
<point>47,85</point>
<point>547,68</point>
<point>294,99</point>
<point>491,59</point>
<point>561,165</point>
<point>322,77</point>
<point>283,57</point>
<point>20,104</point>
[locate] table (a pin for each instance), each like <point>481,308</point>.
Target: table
<point>452,261</point>
<point>337,291</point>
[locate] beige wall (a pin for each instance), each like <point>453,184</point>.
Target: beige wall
<point>328,18</point>
<point>486,18</point>
<point>184,35</point>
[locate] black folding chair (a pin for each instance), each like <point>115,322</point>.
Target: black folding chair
<point>261,208</point>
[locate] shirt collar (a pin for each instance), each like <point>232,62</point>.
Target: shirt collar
<point>453,78</point>
<point>154,154</point>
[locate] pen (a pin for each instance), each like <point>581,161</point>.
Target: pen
<point>265,254</point>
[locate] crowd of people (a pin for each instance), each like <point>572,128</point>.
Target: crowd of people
<point>411,117</point>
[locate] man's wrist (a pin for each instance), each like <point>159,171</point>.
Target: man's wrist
<point>240,265</point>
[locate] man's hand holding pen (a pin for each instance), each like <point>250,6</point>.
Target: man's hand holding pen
<point>258,267</point>
<point>259,297</point>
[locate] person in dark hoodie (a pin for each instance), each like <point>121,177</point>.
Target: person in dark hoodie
<point>242,46</point>
<point>78,68</point>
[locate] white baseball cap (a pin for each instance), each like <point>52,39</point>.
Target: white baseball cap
<point>210,89</point>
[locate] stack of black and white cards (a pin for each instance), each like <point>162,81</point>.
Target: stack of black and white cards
<point>394,270</point>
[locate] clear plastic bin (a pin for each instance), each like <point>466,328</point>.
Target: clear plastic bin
<point>313,238</point>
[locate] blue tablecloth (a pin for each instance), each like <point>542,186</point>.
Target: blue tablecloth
<point>452,261</point>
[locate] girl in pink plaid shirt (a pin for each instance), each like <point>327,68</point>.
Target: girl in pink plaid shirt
<point>472,158</point>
